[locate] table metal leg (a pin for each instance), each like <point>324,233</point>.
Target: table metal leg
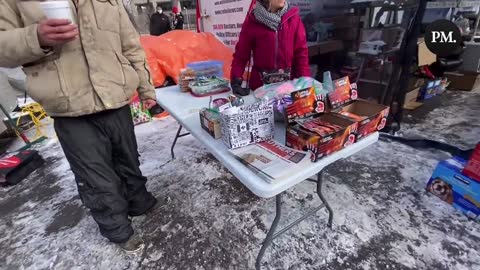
<point>175,140</point>
<point>271,232</point>
<point>271,235</point>
<point>324,201</point>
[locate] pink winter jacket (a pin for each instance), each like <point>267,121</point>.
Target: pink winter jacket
<point>285,48</point>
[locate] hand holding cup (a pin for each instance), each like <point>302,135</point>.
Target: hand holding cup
<point>58,28</point>
<point>55,32</point>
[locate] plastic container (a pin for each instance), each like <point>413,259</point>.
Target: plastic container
<point>58,10</point>
<point>207,69</point>
<point>208,87</point>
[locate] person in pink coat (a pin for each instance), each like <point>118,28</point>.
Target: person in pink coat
<point>275,34</point>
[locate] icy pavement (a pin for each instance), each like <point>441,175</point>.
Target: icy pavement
<point>384,219</point>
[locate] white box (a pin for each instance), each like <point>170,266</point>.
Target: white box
<point>247,124</point>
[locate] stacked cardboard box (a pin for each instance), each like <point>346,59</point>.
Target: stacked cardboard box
<point>325,125</point>
<point>466,81</point>
<point>472,169</point>
<point>452,186</point>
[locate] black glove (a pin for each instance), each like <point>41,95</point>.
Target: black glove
<point>238,89</point>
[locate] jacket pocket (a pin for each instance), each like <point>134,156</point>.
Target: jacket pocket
<point>30,11</point>
<point>107,15</point>
<point>44,85</point>
<point>129,74</point>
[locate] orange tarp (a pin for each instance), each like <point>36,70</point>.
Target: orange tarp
<point>169,53</point>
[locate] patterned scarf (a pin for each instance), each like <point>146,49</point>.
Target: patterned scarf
<point>269,19</point>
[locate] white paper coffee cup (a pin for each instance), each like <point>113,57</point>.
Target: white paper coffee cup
<point>58,10</point>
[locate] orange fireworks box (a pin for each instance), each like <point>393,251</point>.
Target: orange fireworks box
<point>344,92</point>
<point>321,134</point>
<point>371,117</point>
<point>452,186</point>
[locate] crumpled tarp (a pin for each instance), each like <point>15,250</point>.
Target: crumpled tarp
<point>169,53</point>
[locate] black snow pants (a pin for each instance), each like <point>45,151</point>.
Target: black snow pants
<point>102,151</point>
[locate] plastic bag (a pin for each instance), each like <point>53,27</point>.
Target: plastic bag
<point>168,54</point>
<point>139,114</point>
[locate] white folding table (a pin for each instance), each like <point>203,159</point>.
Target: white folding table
<point>185,109</point>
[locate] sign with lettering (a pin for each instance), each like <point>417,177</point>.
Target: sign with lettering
<point>224,18</point>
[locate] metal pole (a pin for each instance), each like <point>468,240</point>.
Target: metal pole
<point>14,126</point>
<point>188,18</point>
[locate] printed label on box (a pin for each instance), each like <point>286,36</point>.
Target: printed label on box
<point>305,103</point>
<point>247,124</point>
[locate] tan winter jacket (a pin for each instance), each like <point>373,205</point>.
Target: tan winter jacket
<point>100,70</point>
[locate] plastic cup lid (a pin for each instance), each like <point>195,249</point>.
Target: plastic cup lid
<point>55,4</point>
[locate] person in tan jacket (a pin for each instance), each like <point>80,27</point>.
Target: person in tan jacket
<point>84,73</point>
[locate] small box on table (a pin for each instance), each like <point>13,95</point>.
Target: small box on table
<point>210,122</point>
<point>247,124</point>
<point>449,184</point>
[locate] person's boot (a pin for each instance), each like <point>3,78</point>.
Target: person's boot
<point>158,203</point>
<point>134,245</point>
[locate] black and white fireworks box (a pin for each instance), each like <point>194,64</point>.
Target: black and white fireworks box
<point>247,124</point>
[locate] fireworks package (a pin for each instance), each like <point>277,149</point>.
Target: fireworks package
<point>311,129</point>
<point>371,117</point>
<point>321,134</point>
<point>304,103</point>
<point>17,166</point>
<point>247,124</point>
<point>344,92</point>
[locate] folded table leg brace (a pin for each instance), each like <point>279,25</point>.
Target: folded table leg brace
<point>176,138</point>
<point>272,233</point>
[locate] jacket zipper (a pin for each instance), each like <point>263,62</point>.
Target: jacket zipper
<point>276,49</point>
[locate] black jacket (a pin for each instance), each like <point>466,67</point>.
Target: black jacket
<point>178,22</point>
<point>159,24</point>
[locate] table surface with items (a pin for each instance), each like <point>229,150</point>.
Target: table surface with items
<point>185,109</point>
<point>280,135</point>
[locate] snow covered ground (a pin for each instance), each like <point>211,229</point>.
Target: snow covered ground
<point>384,219</point>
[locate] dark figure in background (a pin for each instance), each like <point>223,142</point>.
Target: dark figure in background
<point>159,23</point>
<point>177,19</point>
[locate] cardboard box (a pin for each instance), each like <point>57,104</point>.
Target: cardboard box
<point>371,117</point>
<point>304,139</point>
<point>210,123</point>
<point>344,93</point>
<point>471,57</point>
<point>247,124</point>
<point>449,184</point>
<point>466,81</point>
<point>410,102</point>
<point>305,103</point>
<point>425,57</point>
<point>472,169</point>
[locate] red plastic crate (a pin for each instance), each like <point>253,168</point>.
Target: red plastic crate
<point>472,169</point>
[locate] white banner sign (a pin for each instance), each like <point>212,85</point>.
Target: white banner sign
<point>224,18</point>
